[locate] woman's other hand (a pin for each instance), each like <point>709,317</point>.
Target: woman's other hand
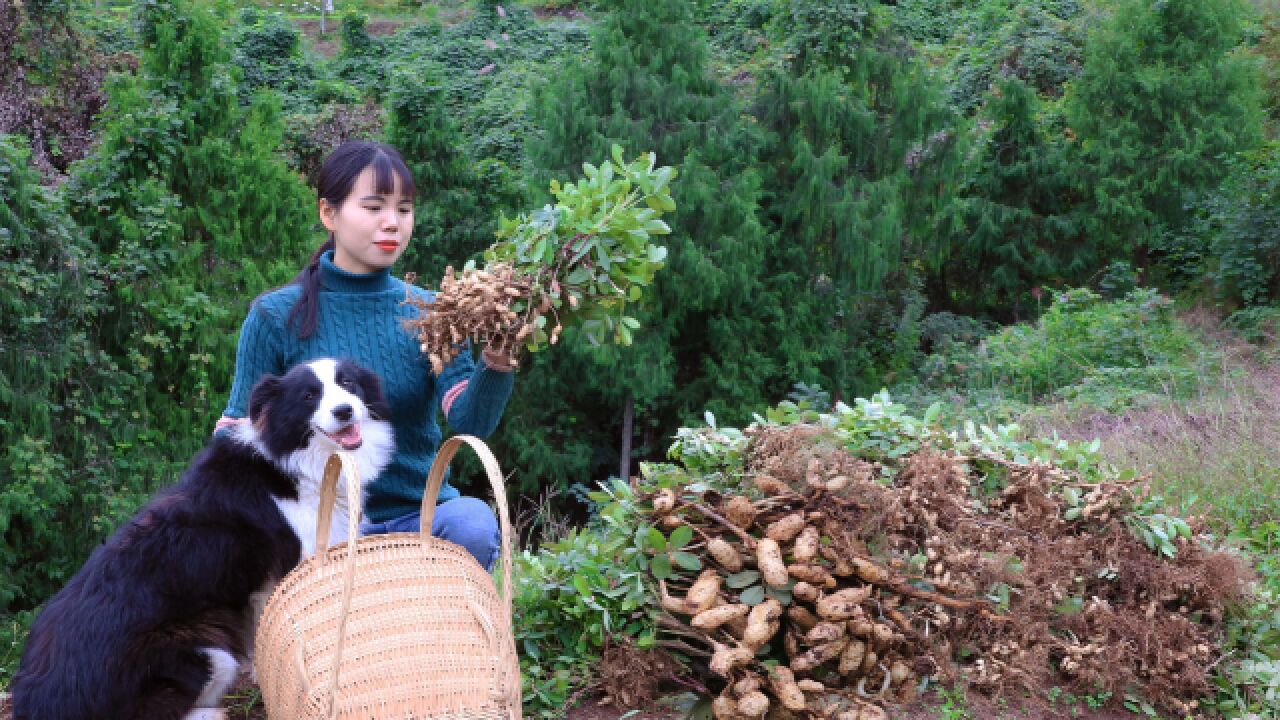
<point>499,357</point>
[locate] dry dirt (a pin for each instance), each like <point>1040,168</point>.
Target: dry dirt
<point>243,707</point>
<point>932,708</point>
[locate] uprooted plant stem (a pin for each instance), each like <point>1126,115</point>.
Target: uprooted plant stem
<point>828,592</point>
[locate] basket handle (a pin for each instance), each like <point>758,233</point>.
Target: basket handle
<point>336,463</point>
<point>435,480</point>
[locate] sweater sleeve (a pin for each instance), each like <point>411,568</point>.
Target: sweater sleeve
<point>259,352</point>
<point>472,395</point>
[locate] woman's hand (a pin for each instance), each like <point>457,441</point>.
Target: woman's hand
<point>499,357</point>
<point>226,422</point>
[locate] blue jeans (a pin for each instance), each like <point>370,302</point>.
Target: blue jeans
<point>464,521</point>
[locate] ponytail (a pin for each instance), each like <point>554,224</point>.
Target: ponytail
<point>306,311</point>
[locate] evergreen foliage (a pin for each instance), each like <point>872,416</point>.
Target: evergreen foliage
<point>57,431</point>
<point>1012,229</point>
<point>860,159</point>
<point>1040,42</point>
<point>1237,243</point>
<point>1164,97</point>
<point>451,223</point>
<point>186,215</point>
<point>646,88</point>
<point>266,47</point>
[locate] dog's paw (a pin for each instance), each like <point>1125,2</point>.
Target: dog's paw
<point>206,714</point>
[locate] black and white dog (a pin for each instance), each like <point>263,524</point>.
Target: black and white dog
<point>158,621</point>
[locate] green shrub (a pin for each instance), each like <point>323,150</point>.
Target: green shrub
<point>126,325</point>
<point>1107,355</point>
<point>1237,240</point>
<point>266,47</point>
<point>59,425</point>
<point>575,594</point>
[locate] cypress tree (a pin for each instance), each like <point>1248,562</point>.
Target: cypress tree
<point>646,87</point>
<point>859,159</point>
<point>1012,229</point>
<point>193,215</point>
<point>1164,95</point>
<point>455,213</point>
<point>49,377</point>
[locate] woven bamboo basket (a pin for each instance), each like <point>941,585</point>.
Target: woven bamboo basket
<point>395,626</point>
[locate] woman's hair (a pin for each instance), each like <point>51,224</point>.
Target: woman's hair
<point>337,178</point>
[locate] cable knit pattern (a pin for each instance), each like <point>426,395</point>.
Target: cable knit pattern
<point>361,318</point>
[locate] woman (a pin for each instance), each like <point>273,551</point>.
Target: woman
<point>346,304</point>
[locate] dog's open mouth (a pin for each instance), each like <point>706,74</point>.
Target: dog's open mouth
<point>348,437</point>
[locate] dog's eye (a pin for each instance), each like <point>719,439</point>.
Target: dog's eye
<point>348,384</point>
<point>309,395</point>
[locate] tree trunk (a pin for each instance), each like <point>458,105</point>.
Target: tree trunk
<point>628,420</point>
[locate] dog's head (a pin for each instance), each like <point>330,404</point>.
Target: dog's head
<point>325,404</point>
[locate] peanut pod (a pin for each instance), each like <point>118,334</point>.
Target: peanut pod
<point>769,561</point>
<point>806,547</point>
<point>802,617</point>
<point>715,617</point>
<point>785,689</point>
<point>815,656</point>
<point>757,636</point>
<point>726,658</point>
<point>725,554</point>
<point>770,485</point>
<point>869,571</point>
<point>851,658</point>
<point>749,683</point>
<point>804,591</point>
<point>842,605</point>
<point>754,704</point>
<point>704,592</point>
<point>762,624</point>
<point>664,501</point>
<point>812,574</point>
<point>824,632</point>
<point>786,528</point>
<point>740,512</point>
<point>811,686</point>
<point>724,708</point>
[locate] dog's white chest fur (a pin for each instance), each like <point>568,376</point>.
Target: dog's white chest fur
<point>302,516</point>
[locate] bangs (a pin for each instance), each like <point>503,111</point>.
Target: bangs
<point>386,168</point>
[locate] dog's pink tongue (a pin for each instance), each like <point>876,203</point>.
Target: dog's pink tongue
<point>348,437</point>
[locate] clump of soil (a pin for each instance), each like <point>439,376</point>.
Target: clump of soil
<point>832,586</point>
<point>634,677</point>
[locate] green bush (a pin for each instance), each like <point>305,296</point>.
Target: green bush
<point>266,47</point>
<point>1107,355</point>
<point>1237,238</point>
<point>56,479</point>
<point>575,594</point>
<point>126,324</point>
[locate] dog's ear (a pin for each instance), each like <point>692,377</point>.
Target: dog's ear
<point>371,389</point>
<point>263,395</point>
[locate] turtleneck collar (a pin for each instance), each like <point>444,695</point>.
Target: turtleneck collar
<point>336,279</point>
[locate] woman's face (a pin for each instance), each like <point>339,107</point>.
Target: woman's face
<point>370,230</point>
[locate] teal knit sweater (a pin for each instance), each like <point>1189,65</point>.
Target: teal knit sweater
<point>361,318</point>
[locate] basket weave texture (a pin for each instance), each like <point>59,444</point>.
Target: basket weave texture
<point>414,627</point>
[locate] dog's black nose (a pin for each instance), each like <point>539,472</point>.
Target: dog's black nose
<point>342,412</point>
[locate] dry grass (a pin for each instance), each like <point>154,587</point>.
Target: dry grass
<point>1216,454</point>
